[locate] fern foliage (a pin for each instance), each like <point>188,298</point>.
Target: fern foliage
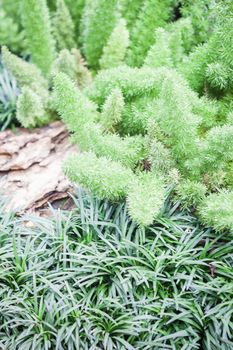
<point>63,27</point>
<point>145,87</point>
<point>37,25</point>
<point>115,49</point>
<point>99,19</point>
<point>152,14</point>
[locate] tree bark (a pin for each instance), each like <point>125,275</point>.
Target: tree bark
<point>31,167</point>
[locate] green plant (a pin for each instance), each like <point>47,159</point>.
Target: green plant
<point>9,92</point>
<point>36,22</point>
<point>99,20</point>
<point>115,50</point>
<point>168,138</point>
<point>63,27</point>
<point>76,9</point>
<point>216,210</point>
<point>145,119</point>
<point>91,278</point>
<point>152,14</point>
<point>190,193</point>
<point>170,45</point>
<point>210,65</point>
<point>201,14</point>
<point>10,33</point>
<point>33,102</point>
<point>130,10</point>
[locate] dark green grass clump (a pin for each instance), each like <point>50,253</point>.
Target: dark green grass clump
<point>91,279</point>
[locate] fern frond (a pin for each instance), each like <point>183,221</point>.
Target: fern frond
<point>112,110</point>
<point>145,198</point>
<point>216,211</point>
<point>63,27</point>
<point>36,22</point>
<point>30,109</point>
<point>72,105</point>
<point>101,176</point>
<point>98,21</point>
<point>129,150</point>
<point>115,49</point>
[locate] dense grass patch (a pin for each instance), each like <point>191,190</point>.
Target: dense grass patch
<point>93,279</point>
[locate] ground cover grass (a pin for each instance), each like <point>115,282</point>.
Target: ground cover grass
<point>93,279</point>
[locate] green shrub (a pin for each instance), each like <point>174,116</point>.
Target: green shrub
<point>201,14</point>
<point>87,170</point>
<point>169,114</point>
<point>31,109</point>
<point>210,65</point>
<point>36,22</point>
<point>216,211</point>
<point>145,198</point>
<point>99,20</point>
<point>76,9</point>
<point>190,193</point>
<point>10,33</point>
<point>72,64</point>
<point>63,27</point>
<point>152,14</point>
<point>115,50</point>
<point>112,110</point>
<point>170,44</point>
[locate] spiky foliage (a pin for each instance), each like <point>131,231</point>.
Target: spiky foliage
<point>33,105</point>
<point>145,198</point>
<point>26,74</point>
<point>30,109</point>
<point>211,64</point>
<point>216,211</point>
<point>130,10</point>
<point>72,64</point>
<point>171,120</point>
<point>9,92</point>
<point>201,14</point>
<point>190,193</point>
<point>115,50</point>
<point>87,170</point>
<point>182,37</point>
<point>194,66</point>
<point>99,20</point>
<point>215,152</point>
<point>112,110</point>
<point>72,105</point>
<point>159,156</point>
<point>159,54</point>
<point>175,118</point>
<point>63,27</point>
<point>128,150</point>
<point>36,22</point>
<point>76,8</point>
<point>153,14</point>
<point>93,279</point>
<point>133,82</point>
<point>10,33</point>
<point>170,45</point>
<point>12,9</point>
<point>79,114</point>
<point>219,146</point>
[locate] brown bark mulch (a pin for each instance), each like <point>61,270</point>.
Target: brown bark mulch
<point>31,167</point>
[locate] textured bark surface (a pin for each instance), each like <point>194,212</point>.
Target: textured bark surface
<point>30,167</point>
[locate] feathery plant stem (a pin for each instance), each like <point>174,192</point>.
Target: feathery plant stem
<point>36,22</point>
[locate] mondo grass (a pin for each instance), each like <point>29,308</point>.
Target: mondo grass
<point>93,279</point>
